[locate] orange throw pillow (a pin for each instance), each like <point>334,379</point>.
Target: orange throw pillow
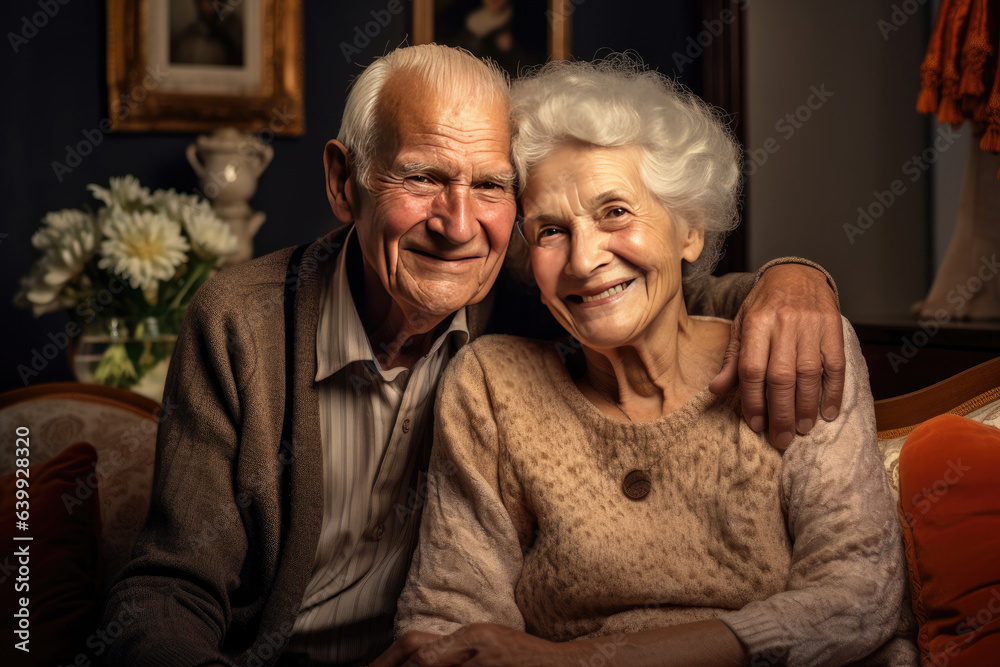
<point>61,579</point>
<point>949,488</point>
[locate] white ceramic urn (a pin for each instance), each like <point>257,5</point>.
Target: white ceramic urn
<point>228,164</point>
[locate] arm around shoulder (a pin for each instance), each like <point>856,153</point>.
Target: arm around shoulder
<point>723,296</point>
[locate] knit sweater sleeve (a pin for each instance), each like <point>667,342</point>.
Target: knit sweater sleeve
<point>469,557</point>
<point>846,583</point>
<point>723,296</point>
<point>177,586</point>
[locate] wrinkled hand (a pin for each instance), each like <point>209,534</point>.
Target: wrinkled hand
<point>402,650</point>
<point>477,645</point>
<point>786,350</point>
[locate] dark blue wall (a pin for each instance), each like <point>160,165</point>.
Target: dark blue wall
<point>55,92</point>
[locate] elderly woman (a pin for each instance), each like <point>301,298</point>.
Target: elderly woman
<point>596,490</point>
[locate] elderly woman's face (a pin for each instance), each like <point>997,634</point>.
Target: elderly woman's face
<point>605,253</point>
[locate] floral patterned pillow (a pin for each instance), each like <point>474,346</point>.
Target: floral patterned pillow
<point>125,441</point>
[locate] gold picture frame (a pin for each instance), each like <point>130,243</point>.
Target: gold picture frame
<point>558,16</point>
<point>151,88</point>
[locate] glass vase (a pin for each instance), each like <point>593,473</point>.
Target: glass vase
<point>130,354</point>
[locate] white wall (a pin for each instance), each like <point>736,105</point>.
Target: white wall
<point>810,174</point>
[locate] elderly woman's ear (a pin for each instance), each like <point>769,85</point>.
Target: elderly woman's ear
<point>692,243</point>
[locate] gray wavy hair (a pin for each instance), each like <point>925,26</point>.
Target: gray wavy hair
<point>690,160</point>
<point>452,72</point>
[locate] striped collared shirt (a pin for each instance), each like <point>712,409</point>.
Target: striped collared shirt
<point>375,425</point>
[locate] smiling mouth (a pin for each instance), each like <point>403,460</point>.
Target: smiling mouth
<point>439,258</point>
<point>611,291</point>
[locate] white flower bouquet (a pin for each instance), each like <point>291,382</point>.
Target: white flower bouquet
<point>135,261</point>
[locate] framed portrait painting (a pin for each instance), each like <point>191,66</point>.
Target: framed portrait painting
<point>197,65</point>
<point>514,33</point>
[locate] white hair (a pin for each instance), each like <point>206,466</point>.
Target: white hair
<point>450,72</point>
<point>689,160</point>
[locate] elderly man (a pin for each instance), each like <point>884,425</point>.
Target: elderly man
<point>289,463</point>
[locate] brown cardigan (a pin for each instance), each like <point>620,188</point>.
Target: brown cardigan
<point>218,572</point>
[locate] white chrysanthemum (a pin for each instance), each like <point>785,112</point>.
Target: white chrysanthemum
<point>211,238</point>
<point>174,203</point>
<point>69,240</point>
<point>41,295</point>
<point>142,247</point>
<point>69,225</point>
<point>125,192</point>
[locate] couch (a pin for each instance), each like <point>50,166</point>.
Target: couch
<point>92,453</point>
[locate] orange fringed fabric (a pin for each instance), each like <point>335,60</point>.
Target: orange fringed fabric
<point>930,69</point>
<point>960,75</point>
<point>950,109</point>
<point>991,139</point>
<point>976,51</point>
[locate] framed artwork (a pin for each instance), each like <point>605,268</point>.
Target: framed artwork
<point>514,33</point>
<point>198,65</point>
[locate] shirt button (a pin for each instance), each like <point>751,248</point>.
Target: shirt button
<point>378,533</point>
<point>406,426</point>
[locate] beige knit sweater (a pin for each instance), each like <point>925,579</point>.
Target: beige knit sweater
<point>526,523</point>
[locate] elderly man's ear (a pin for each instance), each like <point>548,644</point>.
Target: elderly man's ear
<point>341,184</point>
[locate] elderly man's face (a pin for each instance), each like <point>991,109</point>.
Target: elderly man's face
<point>435,224</point>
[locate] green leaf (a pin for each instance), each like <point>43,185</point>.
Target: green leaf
<point>116,368</point>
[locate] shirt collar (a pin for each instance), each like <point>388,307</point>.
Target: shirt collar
<point>340,336</point>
